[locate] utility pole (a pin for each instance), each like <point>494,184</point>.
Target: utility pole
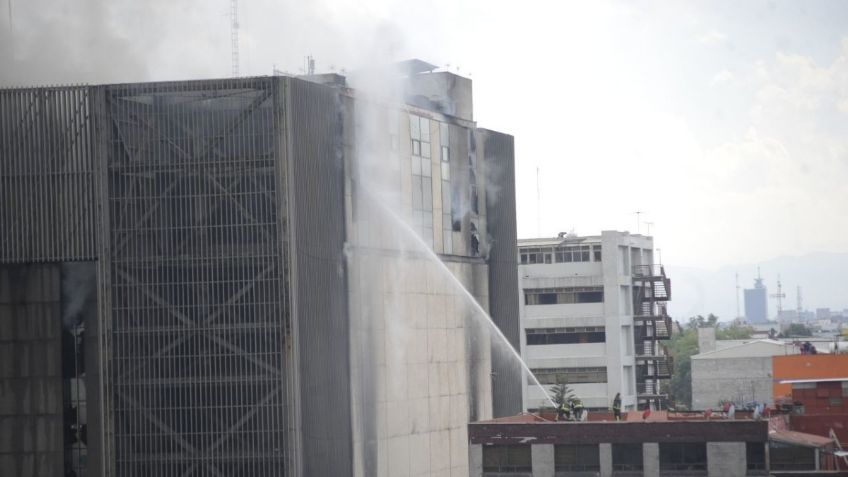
<point>234,37</point>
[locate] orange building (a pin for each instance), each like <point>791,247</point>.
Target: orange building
<point>806,366</point>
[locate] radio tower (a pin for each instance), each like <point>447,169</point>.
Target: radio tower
<point>780,296</point>
<point>234,28</point>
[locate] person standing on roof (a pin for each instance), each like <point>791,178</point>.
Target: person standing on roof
<point>577,404</point>
<point>616,406</point>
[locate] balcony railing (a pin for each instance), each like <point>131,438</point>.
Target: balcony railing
<point>654,270</point>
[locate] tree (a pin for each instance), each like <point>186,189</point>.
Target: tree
<point>735,331</point>
<point>681,347</point>
<point>561,393</point>
<point>700,322</point>
<point>797,330</point>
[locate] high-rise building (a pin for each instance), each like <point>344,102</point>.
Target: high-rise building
<point>756,302</point>
<point>593,312</point>
<point>251,277</point>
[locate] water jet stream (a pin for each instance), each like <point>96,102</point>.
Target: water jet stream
<point>422,245</point>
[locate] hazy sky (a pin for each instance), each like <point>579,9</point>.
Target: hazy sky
<point>726,122</point>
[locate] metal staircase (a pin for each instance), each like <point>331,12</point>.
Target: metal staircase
<point>651,292</point>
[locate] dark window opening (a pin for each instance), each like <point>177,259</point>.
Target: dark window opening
<point>755,455</point>
<point>504,458</point>
<point>570,375</point>
<point>596,250</point>
<point>577,458</point>
<point>547,336</point>
<point>559,296</point>
<point>787,457</point>
<point>684,456</point>
<point>627,457</point>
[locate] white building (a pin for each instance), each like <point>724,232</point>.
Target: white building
<point>734,370</point>
<point>577,302</point>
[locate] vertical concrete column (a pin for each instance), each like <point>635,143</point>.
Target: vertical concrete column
<point>651,459</point>
<point>475,460</point>
<point>542,456</point>
<point>726,459</point>
<point>606,460</point>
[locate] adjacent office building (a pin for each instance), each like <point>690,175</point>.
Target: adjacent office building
<point>237,277</point>
<point>756,302</point>
<point>593,314</point>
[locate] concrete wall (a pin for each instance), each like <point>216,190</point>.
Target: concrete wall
<point>31,439</point>
<point>726,459</point>
<point>737,379</point>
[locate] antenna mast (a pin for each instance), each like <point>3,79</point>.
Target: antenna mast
<point>800,303</point>
<point>737,295</point>
<point>780,296</point>
<point>538,205</point>
<point>234,36</point>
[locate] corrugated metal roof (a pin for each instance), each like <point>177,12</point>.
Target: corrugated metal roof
<point>800,438</point>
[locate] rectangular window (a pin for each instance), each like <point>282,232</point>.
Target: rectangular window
<point>570,375</point>
<point>507,458</point>
<point>573,253</point>
<point>577,458</point>
<point>683,456</point>
<point>596,250</point>
<point>755,455</point>
<point>536,255</point>
<point>559,296</point>
<point>422,182</point>
<point>627,457</point>
<point>575,335</point>
<point>447,206</point>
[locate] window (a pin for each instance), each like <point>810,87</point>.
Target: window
<point>567,254</point>
<point>536,255</point>
<point>789,457</point>
<point>596,251</point>
<point>422,180</point>
<point>546,336</point>
<point>447,207</point>
<point>565,295</point>
<point>577,458</point>
<point>755,455</point>
<point>570,375</point>
<point>627,457</point>
<point>472,173</point>
<point>676,457</point>
<point>505,458</point>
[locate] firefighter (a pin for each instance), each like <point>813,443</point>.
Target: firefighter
<point>616,406</point>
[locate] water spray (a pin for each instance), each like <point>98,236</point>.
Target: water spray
<point>478,308</point>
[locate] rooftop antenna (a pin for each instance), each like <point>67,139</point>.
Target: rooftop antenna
<point>638,214</point>
<point>234,37</point>
<point>310,65</point>
<point>538,205</point>
<point>779,295</point>
<point>648,224</point>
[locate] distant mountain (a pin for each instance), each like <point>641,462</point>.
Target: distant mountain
<point>822,276</point>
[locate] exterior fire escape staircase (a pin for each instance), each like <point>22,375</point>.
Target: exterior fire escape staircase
<point>651,292</point>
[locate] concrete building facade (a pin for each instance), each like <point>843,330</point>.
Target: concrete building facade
<point>592,314</point>
<point>243,304</point>
<point>530,446</point>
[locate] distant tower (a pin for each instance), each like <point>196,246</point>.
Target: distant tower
<point>800,303</point>
<point>756,301</point>
<point>234,37</point>
<point>779,296</point>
